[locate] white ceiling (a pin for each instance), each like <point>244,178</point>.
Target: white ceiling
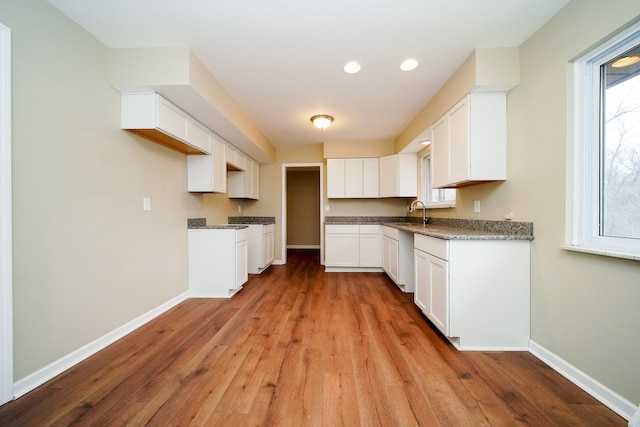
<point>282,60</point>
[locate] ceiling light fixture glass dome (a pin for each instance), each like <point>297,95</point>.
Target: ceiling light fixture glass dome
<point>321,121</point>
<point>409,64</point>
<point>352,67</point>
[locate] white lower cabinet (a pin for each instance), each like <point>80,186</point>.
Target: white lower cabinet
<point>369,245</point>
<point>397,257</point>
<point>217,261</point>
<point>352,247</point>
<point>476,292</point>
<point>342,245</point>
<point>261,247</point>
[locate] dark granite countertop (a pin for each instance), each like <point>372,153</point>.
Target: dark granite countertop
<point>446,228</point>
<point>264,220</point>
<point>201,224</point>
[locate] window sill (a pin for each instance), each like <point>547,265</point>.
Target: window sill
<point>438,205</point>
<point>615,252</point>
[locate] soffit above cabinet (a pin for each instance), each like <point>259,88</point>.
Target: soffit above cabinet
<point>177,75</point>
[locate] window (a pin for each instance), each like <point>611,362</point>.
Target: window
<point>433,197</point>
<point>604,186</point>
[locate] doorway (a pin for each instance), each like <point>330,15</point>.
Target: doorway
<point>302,221</point>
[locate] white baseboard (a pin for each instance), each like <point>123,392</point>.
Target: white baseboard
<point>605,395</point>
<point>353,269</point>
<point>43,375</point>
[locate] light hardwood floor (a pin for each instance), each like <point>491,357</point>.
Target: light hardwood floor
<point>300,347</point>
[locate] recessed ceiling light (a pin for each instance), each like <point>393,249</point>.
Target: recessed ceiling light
<point>352,67</point>
<point>409,64</point>
<point>625,61</point>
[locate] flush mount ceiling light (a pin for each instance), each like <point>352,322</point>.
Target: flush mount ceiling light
<point>625,61</point>
<point>321,121</point>
<point>425,142</point>
<point>352,67</point>
<point>409,64</point>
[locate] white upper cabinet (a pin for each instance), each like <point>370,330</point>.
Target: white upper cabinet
<point>244,184</point>
<point>352,178</point>
<point>335,179</point>
<point>470,142</point>
<point>370,178</point>
<point>399,175</point>
<point>208,174</point>
<point>153,117</point>
<point>235,159</point>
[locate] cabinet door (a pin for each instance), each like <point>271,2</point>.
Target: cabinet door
<point>353,178</point>
<point>421,278</point>
<point>440,153</point>
<point>171,119</point>
<point>342,250</point>
<point>335,178</point>
<point>208,173</point>
<point>370,178</point>
<point>267,249</point>
<point>437,292</point>
<point>390,250</point>
<point>219,173</point>
<point>369,250</point>
<point>198,135</point>
<point>388,176</point>
<point>242,266</point>
<point>459,142</point>
<point>255,181</point>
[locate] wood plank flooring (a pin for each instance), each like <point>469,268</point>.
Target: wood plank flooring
<point>300,347</point>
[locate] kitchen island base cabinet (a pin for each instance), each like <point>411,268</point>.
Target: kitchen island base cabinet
<point>397,257</point>
<point>261,247</point>
<point>217,262</point>
<point>352,248</point>
<point>476,292</point>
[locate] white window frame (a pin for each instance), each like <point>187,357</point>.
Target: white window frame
<point>583,156</point>
<point>425,187</point>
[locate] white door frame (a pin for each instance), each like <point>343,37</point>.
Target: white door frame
<point>286,166</point>
<point>6,273</point>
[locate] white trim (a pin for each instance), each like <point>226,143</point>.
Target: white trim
<point>582,227</point>
<point>353,269</point>
<point>6,251</point>
<point>284,246</point>
<point>43,375</point>
<point>605,395</point>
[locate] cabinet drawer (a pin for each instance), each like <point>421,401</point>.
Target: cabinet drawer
<point>242,234</point>
<point>431,245</point>
<point>390,232</point>
<point>370,229</point>
<point>341,228</point>
<point>268,228</point>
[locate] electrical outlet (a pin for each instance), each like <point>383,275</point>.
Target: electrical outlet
<point>327,208</point>
<point>476,206</point>
<point>146,203</point>
<point>239,208</point>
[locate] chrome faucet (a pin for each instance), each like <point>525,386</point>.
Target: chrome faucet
<point>425,220</point>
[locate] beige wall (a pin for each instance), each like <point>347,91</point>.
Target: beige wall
<point>86,257</point>
<point>584,307</point>
<point>303,208</point>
